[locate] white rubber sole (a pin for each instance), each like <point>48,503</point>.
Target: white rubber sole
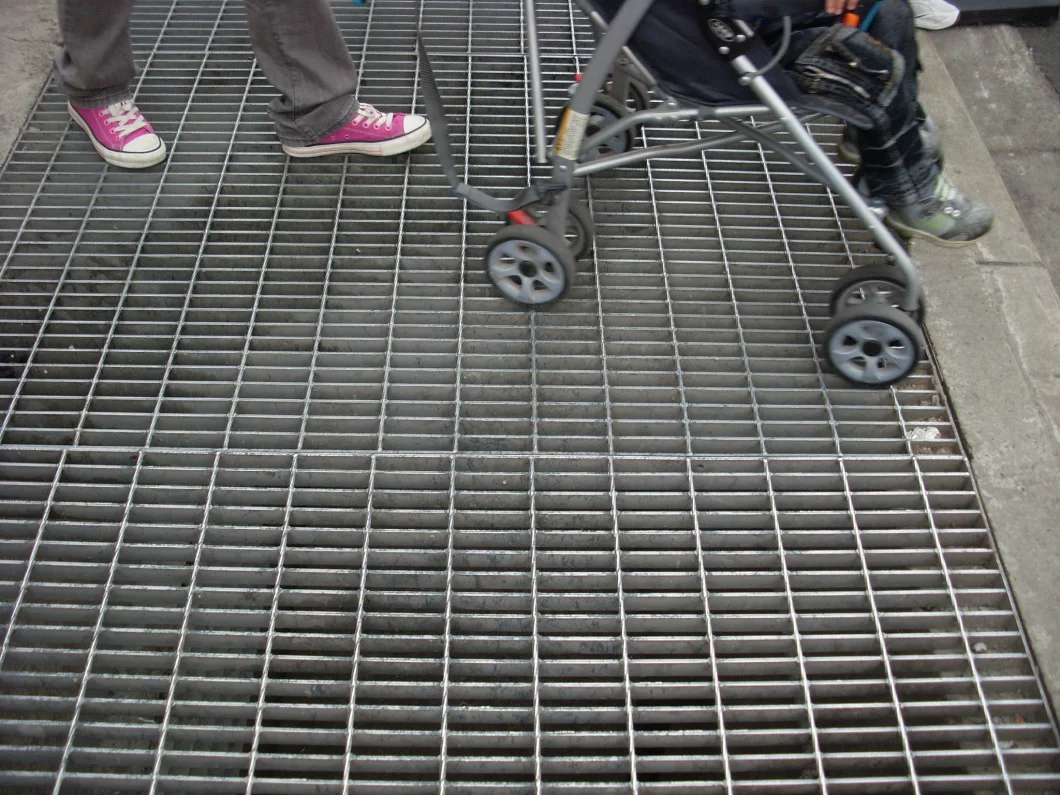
<point>120,159</point>
<point>910,232</point>
<point>393,146</point>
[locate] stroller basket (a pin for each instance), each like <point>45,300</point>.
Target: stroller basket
<point>705,67</point>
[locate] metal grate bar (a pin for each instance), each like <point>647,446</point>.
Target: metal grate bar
<point>704,590</point>
<point>389,393</point>
<point>624,647</point>
<point>853,516</point>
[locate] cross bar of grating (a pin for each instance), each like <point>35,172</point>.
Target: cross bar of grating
<point>293,502</point>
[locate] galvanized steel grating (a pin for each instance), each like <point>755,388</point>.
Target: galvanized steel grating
<point>294,502</point>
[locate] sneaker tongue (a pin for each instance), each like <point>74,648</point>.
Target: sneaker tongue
<point>118,108</point>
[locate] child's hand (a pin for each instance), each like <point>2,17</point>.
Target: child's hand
<point>837,7</point>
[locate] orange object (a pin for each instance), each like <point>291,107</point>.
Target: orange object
<point>851,19</point>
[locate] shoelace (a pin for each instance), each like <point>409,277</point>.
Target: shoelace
<point>944,191</point>
<point>370,116</point>
<point>948,197</point>
<point>127,117</point>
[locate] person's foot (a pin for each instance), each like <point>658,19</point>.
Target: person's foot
<point>948,218</point>
<point>934,14</point>
<point>370,132</point>
<point>849,147</point>
<point>877,205</point>
<point>120,134</point>
<point>850,151</point>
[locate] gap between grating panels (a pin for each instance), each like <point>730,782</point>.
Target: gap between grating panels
<point>293,502</point>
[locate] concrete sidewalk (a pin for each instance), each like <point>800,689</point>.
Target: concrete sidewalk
<point>993,310</point>
<point>994,314</point>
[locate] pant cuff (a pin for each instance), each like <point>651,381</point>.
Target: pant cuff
<point>99,99</point>
<point>295,134</point>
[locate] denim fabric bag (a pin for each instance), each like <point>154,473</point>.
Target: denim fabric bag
<point>849,69</point>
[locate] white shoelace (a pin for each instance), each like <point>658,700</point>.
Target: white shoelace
<point>128,118</point>
<point>370,116</point>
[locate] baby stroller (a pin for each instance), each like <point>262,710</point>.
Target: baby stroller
<point>704,66</point>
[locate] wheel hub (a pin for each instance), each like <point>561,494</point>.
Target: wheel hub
<point>871,351</point>
<point>526,271</point>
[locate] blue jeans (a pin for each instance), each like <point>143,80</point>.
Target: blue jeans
<point>874,74</point>
<point>298,45</point>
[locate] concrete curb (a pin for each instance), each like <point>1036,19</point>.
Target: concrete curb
<point>29,38</point>
<point>994,324</point>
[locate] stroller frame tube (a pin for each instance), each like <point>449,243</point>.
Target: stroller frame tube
<point>669,150</point>
<point>820,166</point>
<point>823,167</point>
<point>607,53</point>
<point>537,100</point>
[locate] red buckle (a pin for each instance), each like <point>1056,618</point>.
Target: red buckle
<point>521,217</point>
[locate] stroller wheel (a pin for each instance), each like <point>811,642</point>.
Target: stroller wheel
<point>872,345</point>
<point>605,111</point>
<point>530,265</point>
<point>580,229</point>
<point>874,284</point>
<point>637,96</point>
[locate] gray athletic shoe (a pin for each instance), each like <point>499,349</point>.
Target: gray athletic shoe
<point>948,218</point>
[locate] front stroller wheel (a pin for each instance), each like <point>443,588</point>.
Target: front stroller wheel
<point>579,231</point>
<point>874,345</point>
<point>530,265</point>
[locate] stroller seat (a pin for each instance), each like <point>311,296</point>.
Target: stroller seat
<point>686,66</point>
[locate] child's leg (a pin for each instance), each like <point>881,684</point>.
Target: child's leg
<point>893,25</point>
<point>899,168</point>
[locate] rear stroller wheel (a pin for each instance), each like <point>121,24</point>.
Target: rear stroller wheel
<point>530,265</point>
<point>637,95</point>
<point>606,111</point>
<point>579,230</point>
<point>874,345</point>
<point>882,284</point>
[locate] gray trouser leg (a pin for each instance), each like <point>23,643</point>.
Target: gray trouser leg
<point>95,67</point>
<point>297,42</point>
<point>302,53</point>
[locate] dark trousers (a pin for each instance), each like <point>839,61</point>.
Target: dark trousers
<point>874,74</point>
<point>297,43</point>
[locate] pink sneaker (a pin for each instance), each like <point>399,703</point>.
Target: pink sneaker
<point>121,134</point>
<point>370,132</point>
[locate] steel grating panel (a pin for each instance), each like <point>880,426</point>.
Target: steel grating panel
<point>293,502</point>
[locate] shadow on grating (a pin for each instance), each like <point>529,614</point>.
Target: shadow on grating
<point>294,502</point>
